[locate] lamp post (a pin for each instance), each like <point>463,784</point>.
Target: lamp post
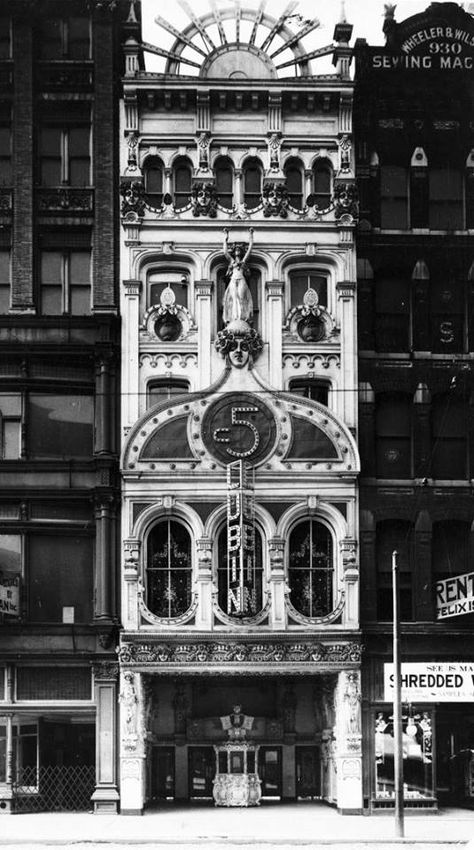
<point>397,705</point>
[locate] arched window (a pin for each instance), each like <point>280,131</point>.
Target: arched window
<point>394,535</point>
<point>303,279</point>
<point>153,171</point>
<point>252,183</point>
<point>446,199</point>
<point>253,580</point>
<point>168,569</point>
<point>393,197</point>
<point>449,418</point>
<point>322,185</point>
<point>392,313</point>
<point>182,171</point>
<point>294,183</point>
<point>224,174</point>
<point>393,435</point>
<point>165,388</point>
<point>311,569</point>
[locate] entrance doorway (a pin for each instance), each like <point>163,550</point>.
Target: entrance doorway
<point>269,769</point>
<point>162,773</point>
<point>201,771</point>
<point>308,773</point>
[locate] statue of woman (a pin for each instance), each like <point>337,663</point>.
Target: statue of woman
<point>238,302</point>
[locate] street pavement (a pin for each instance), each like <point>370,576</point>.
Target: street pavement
<point>291,825</point>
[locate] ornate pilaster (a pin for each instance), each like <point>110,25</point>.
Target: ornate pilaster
<point>351,582</point>
<point>275,290</point>
<point>130,361</point>
<point>276,548</point>
<point>203,291</point>
<point>132,743</point>
<point>131,577</point>
<point>346,291</point>
<point>105,519</point>
<point>105,797</point>
<point>204,581</point>
<point>349,742</point>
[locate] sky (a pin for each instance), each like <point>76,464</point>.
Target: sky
<point>365,15</point>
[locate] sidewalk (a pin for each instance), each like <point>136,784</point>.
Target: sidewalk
<point>293,824</point>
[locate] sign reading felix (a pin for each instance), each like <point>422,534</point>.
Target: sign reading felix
<point>455,596</point>
<point>425,682</point>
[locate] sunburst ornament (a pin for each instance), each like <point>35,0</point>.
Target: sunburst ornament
<point>234,41</point>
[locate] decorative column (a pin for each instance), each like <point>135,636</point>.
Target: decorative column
<point>422,576</point>
<point>204,584</point>
<point>132,744</point>
<point>203,292</point>
<point>346,295</point>
<point>131,580</point>
<point>104,563</point>
<point>349,743</point>
<point>276,548</point>
<point>130,360</point>
<point>275,323</point>
<point>351,582</point>
<point>103,412</point>
<point>105,797</point>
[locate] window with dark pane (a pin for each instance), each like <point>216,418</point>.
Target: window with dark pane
<point>60,426</point>
<point>6,178</point>
<point>5,280</point>
<point>64,38</point>
<point>64,147</point>
<point>165,389</point>
<point>180,290</point>
<point>447,316</point>
<point>59,574</point>
<point>153,171</point>
<point>301,281</point>
<point>168,569</point>
<point>394,535</point>
<point>255,584</point>
<point>446,192</point>
<point>5,37</point>
<point>393,197</point>
<point>392,314</point>
<point>311,569</point>
<point>310,388</point>
<point>10,425</point>
<point>294,183</point>
<point>65,282</point>
<point>224,174</point>
<point>182,171</point>
<point>322,185</point>
<point>449,429</point>
<point>393,435</point>
<point>252,183</point>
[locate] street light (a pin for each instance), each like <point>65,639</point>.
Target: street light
<point>397,705</point>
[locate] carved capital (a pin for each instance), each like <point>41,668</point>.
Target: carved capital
<point>105,670</point>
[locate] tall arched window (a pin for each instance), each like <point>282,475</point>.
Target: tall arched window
<point>224,174</point>
<point>311,569</point>
<point>294,182</point>
<point>168,569</point>
<point>153,171</point>
<point>393,435</point>
<point>394,535</point>
<point>322,185</point>
<point>253,578</point>
<point>449,421</point>
<point>182,172</point>
<point>252,183</point>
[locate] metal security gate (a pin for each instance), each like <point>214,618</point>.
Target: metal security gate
<point>58,788</point>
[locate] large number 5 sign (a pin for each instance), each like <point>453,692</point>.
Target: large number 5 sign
<point>235,421</point>
<point>239,426</point>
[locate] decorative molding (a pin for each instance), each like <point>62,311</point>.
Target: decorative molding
<point>169,360</point>
<point>105,670</point>
<point>306,654</point>
<point>66,200</point>
<point>315,621</point>
<point>312,361</point>
<point>6,201</point>
<point>149,617</point>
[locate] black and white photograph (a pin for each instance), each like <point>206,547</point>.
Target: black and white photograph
<point>236,424</point>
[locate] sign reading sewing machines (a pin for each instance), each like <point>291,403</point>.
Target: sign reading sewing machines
<point>426,682</point>
<point>241,589</point>
<point>9,594</point>
<point>455,596</point>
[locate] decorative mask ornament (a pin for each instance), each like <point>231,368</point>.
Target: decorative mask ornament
<point>239,343</point>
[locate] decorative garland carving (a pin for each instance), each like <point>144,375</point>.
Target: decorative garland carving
<point>106,670</point>
<point>237,652</point>
<point>312,361</point>
<point>169,360</point>
<point>314,621</point>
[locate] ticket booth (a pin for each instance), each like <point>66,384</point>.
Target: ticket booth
<point>237,782</point>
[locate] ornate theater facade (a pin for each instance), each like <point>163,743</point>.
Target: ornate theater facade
<point>240,651</point>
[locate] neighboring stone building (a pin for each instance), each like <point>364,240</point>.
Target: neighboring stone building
<point>59,339</point>
<point>413,122</point>
<point>239,411</point>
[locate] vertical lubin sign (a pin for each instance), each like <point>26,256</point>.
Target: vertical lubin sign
<point>9,594</point>
<point>240,539</point>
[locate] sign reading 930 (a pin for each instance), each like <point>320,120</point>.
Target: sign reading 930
<point>239,426</point>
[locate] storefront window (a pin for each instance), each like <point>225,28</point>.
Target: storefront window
<point>417,755</point>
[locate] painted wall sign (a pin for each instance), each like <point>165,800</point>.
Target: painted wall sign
<point>433,47</point>
<point>9,594</point>
<point>455,596</point>
<point>426,682</point>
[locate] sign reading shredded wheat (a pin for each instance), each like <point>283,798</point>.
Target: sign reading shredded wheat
<point>455,596</point>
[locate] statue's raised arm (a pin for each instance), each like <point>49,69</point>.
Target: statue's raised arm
<point>247,253</point>
<point>225,246</point>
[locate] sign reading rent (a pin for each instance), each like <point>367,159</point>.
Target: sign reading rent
<point>432,682</point>
<point>9,594</point>
<point>455,596</point>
